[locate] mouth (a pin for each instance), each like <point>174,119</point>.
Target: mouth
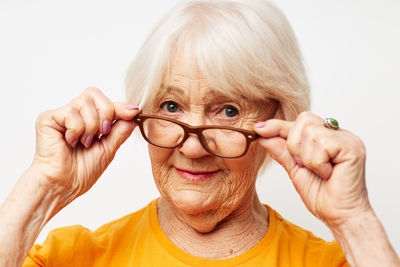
<point>195,176</point>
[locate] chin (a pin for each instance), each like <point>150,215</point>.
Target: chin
<point>197,208</point>
<point>190,202</point>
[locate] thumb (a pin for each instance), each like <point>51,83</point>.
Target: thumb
<point>277,148</point>
<point>120,131</point>
<point>273,135</point>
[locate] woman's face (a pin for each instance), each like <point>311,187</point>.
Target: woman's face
<point>200,186</point>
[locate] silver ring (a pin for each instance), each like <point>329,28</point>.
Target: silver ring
<point>331,123</point>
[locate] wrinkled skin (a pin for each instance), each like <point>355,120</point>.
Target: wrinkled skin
<point>327,167</point>
<point>203,204</point>
<point>64,135</point>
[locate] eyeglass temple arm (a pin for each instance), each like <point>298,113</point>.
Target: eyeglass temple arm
<point>275,110</point>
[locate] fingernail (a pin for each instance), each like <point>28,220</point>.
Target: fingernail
<point>88,141</point>
<point>73,144</point>
<point>260,124</point>
<point>106,126</point>
<point>298,161</point>
<point>132,107</point>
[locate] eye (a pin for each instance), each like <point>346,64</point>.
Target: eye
<point>231,111</point>
<point>170,106</point>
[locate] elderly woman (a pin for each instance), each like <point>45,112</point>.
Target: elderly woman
<point>221,90</point>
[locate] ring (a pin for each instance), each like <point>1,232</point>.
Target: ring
<point>331,123</point>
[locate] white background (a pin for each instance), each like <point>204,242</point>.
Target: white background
<point>51,50</point>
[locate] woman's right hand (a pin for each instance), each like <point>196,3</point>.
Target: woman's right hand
<point>70,156</point>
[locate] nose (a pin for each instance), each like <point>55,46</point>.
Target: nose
<point>192,148</point>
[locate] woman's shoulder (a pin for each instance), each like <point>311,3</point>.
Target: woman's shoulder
<point>303,242</point>
<point>128,221</point>
<point>77,242</point>
<point>290,229</point>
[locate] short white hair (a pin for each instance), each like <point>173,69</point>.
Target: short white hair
<point>244,48</point>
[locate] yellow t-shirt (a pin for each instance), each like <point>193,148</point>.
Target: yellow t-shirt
<point>138,240</point>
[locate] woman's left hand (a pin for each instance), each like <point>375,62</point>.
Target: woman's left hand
<point>326,166</point>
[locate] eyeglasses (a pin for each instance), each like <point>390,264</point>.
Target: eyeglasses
<point>221,141</point>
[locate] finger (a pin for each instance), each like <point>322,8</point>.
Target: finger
<point>315,154</point>
<point>325,144</point>
<point>124,111</point>
<point>105,110</point>
<point>121,111</point>
<point>296,133</point>
<point>120,131</point>
<point>273,128</point>
<point>75,127</point>
<point>69,120</point>
<point>277,148</point>
<point>90,117</point>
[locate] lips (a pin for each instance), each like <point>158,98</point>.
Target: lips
<point>195,176</point>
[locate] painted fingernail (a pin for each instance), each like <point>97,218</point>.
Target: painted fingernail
<point>298,161</point>
<point>260,124</point>
<point>132,107</point>
<point>88,141</point>
<point>74,143</point>
<point>106,126</point>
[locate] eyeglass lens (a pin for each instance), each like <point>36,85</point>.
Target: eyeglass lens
<point>222,142</point>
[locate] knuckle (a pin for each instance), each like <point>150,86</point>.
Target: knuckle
<point>316,161</point>
<point>304,115</point>
<point>42,117</point>
<point>308,118</point>
<point>91,90</point>
<point>88,94</point>
<point>293,144</point>
<point>108,114</point>
<point>79,128</point>
<point>70,109</point>
<point>312,132</point>
<point>76,126</point>
<point>91,127</point>
<point>105,114</point>
<point>76,103</point>
<point>106,109</point>
<point>307,161</point>
<point>84,100</point>
<point>359,146</point>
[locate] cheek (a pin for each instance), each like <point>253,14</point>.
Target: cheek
<point>158,154</point>
<point>159,158</point>
<point>244,170</point>
<point>249,163</point>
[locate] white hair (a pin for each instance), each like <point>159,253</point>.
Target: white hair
<point>244,48</point>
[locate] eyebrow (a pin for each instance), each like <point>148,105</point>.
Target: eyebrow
<point>212,95</point>
<point>171,89</point>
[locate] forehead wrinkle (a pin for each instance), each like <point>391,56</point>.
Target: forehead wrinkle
<point>216,96</point>
<point>206,93</point>
<point>170,89</point>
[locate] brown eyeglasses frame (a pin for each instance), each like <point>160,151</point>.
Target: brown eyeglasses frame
<point>198,131</point>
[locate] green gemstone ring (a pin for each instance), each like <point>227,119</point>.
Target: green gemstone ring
<point>331,123</point>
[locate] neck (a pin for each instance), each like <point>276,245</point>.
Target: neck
<point>242,229</point>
